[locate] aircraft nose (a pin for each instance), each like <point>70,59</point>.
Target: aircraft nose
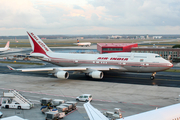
<point>170,65</point>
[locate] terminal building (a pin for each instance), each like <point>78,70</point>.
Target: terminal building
<point>165,52</point>
<point>115,47</point>
<point>162,51</point>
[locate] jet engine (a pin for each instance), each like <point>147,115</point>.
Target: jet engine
<point>96,74</point>
<point>62,74</point>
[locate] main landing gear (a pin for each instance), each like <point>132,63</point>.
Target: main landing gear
<point>153,76</point>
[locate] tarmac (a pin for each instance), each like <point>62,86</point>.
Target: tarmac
<point>132,99</point>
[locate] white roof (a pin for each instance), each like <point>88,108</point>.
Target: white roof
<point>85,94</point>
<point>12,118</point>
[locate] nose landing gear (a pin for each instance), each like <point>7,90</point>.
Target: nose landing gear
<point>153,76</point>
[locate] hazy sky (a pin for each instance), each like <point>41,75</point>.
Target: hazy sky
<point>89,17</point>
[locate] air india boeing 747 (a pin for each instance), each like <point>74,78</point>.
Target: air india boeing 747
<point>93,65</point>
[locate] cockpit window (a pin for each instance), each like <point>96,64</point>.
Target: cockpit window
<point>157,56</point>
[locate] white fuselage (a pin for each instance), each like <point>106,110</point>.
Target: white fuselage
<point>128,62</point>
<point>4,49</point>
<point>83,44</point>
<point>165,113</point>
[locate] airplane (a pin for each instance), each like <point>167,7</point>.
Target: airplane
<point>16,40</point>
<point>93,65</point>
<point>82,44</point>
<point>166,113</point>
<point>5,48</point>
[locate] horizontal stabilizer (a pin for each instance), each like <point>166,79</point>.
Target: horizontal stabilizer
<point>11,68</point>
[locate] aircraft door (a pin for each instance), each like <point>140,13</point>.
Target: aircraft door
<point>132,55</point>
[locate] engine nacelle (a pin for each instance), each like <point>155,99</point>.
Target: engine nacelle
<point>96,74</point>
<point>62,74</point>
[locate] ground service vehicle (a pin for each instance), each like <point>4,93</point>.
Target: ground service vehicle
<point>45,109</point>
<point>54,115</point>
<point>46,101</point>
<point>13,99</point>
<point>13,118</point>
<point>1,114</point>
<point>113,115</point>
<point>10,104</point>
<point>85,97</point>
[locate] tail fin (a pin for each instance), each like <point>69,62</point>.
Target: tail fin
<point>7,45</point>
<point>11,68</point>
<point>38,46</point>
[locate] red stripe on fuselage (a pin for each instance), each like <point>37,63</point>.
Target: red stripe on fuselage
<point>94,62</point>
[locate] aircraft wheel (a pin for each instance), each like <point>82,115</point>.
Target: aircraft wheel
<point>152,77</point>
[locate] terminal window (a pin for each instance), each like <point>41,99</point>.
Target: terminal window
<point>112,49</point>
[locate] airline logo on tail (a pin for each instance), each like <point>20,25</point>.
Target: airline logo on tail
<point>37,44</point>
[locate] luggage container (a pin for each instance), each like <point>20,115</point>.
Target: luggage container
<point>57,102</point>
<point>74,104</point>
<point>46,101</point>
<point>68,105</point>
<point>62,108</point>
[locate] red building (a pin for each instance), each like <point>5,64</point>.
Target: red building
<point>115,47</point>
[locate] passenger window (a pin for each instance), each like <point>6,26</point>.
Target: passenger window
<point>81,97</point>
<point>85,96</point>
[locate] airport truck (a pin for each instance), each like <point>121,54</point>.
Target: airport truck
<point>46,101</point>
<point>13,99</point>
<point>114,115</point>
<point>45,109</point>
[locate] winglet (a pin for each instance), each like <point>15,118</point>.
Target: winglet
<point>11,68</point>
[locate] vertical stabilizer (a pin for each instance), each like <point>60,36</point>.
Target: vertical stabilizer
<point>38,46</point>
<point>7,45</point>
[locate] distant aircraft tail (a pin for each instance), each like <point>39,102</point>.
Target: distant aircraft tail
<point>38,46</point>
<point>7,45</point>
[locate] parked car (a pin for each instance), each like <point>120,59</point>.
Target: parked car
<point>85,97</point>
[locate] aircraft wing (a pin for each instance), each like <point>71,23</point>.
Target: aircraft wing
<point>89,68</point>
<point>93,113</point>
